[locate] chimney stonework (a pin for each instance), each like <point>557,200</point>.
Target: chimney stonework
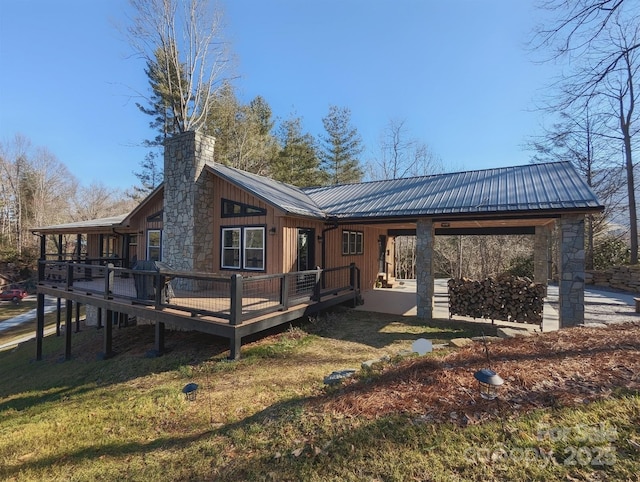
<point>187,240</point>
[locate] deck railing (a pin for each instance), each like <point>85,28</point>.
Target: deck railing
<point>235,298</point>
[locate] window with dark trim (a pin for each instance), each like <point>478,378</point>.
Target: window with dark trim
<point>243,248</point>
<point>154,245</point>
<point>231,209</point>
<point>352,242</point>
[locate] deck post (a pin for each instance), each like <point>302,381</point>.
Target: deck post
<point>39,326</point>
<point>77,317</point>
<point>236,300</point>
<point>69,275</point>
<point>58,315</point>
<point>107,340</point>
<point>68,323</point>
<point>284,291</point>
<point>158,281</point>
<point>235,345</point>
<point>317,286</point>
<point>159,341</point>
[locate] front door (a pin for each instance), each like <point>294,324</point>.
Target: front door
<point>305,260</point>
<point>306,253</point>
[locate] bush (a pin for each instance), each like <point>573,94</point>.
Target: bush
<point>521,266</point>
<point>610,251</point>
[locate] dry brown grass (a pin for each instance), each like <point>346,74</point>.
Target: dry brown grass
<point>566,368</point>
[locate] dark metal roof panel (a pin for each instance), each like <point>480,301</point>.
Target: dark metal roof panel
<point>290,199</point>
<point>532,187</point>
<point>79,226</point>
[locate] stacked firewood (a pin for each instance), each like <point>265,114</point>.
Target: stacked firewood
<point>509,298</point>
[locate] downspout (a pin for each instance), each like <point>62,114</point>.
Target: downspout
<point>322,239</point>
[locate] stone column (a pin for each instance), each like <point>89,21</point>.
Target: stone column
<point>187,240</point>
<point>571,288</point>
<point>424,264</point>
<point>541,255</point>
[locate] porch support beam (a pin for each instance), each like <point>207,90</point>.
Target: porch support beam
<point>571,289</point>
<point>541,255</point>
<point>425,274</point>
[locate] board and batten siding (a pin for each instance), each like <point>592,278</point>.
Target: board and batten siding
<point>141,224</point>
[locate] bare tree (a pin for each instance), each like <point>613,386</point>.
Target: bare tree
<point>98,201</point>
<point>35,189</point>
<point>401,155</point>
<point>601,41</point>
<point>183,40</point>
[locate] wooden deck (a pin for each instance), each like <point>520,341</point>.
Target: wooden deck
<point>232,307</point>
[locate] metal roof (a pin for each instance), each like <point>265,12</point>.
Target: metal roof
<point>290,199</point>
<point>110,222</point>
<point>532,187</point>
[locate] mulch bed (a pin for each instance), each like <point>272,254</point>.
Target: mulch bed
<point>563,368</point>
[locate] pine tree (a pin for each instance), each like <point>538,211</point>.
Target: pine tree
<point>297,162</point>
<point>341,147</point>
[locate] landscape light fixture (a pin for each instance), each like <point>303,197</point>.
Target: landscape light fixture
<point>489,382</point>
<point>190,390</point>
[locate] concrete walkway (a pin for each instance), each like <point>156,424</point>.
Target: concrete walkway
<point>600,306</point>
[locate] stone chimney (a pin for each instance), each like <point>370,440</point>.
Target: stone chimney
<point>187,238</point>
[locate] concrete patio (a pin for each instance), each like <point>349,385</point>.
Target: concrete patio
<point>600,306</point>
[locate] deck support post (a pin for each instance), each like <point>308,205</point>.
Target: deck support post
<point>58,315</point>
<point>39,326</point>
<point>159,341</point>
<point>107,340</point>
<point>234,348</point>
<point>68,324</point>
<point>77,317</point>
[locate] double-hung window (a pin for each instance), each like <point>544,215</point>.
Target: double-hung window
<point>243,248</point>
<point>154,245</point>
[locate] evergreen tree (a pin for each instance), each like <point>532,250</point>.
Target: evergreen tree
<point>297,162</point>
<point>243,132</point>
<point>341,147</point>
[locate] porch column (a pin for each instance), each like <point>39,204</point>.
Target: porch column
<point>571,287</point>
<point>541,255</point>
<point>424,266</point>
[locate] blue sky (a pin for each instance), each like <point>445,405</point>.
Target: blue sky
<point>456,71</point>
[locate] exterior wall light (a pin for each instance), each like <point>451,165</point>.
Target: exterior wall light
<point>272,230</point>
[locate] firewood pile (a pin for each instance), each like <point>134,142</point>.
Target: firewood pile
<point>508,298</point>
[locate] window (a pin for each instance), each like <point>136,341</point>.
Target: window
<point>254,248</point>
<point>154,245</point>
<point>109,246</point>
<point>232,209</point>
<point>243,248</point>
<point>352,242</point>
<point>231,248</point>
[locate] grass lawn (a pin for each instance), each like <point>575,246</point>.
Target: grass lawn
<point>269,416</point>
